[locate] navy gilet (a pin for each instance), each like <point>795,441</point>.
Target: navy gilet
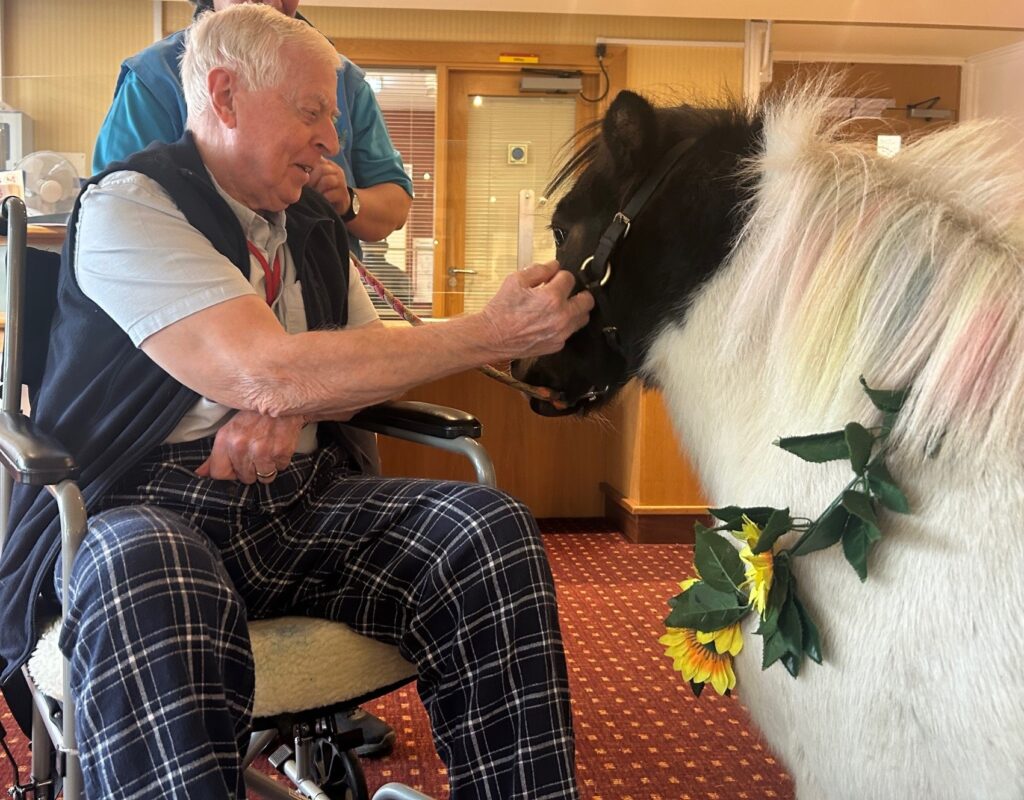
<point>106,401</point>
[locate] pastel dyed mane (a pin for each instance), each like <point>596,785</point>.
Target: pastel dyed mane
<point>909,270</point>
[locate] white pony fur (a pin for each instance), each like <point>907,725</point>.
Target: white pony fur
<point>909,271</point>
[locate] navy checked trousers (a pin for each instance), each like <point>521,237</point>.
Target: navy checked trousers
<point>454,574</point>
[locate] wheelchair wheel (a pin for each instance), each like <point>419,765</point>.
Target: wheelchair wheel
<point>338,772</point>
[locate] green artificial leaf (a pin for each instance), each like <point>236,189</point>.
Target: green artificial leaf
<point>696,688</point>
<point>856,542</point>
<point>859,504</point>
<point>885,400</point>
<point>888,423</point>
<point>784,641</point>
<point>885,490</point>
<point>824,532</point>
<point>791,661</point>
<point>704,608</point>
<point>812,641</point>
<point>777,595</point>
<point>817,447</point>
<point>789,625</point>
<point>779,591</point>
<point>773,649</point>
<point>732,516</point>
<point>859,442</point>
<point>779,522</point>
<point>718,563</point>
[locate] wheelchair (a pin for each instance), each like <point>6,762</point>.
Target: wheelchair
<point>298,703</point>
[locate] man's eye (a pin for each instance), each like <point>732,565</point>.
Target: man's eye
<point>560,236</point>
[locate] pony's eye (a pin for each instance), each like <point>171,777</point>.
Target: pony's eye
<point>560,236</point>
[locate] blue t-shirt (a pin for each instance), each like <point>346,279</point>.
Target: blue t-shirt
<point>149,106</point>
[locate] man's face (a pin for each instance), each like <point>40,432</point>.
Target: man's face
<point>284,6</point>
<point>282,132</point>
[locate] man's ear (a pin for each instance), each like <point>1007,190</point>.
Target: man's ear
<point>222,85</point>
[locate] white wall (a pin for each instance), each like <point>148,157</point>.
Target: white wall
<point>992,86</point>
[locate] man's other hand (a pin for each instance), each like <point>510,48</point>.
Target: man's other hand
<point>249,443</point>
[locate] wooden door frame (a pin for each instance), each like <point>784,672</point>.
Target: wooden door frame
<point>490,83</point>
<point>447,57</point>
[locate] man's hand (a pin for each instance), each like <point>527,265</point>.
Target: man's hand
<point>329,179</point>
<point>532,313</point>
<point>251,443</point>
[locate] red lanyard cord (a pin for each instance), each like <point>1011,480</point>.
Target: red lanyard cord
<point>271,275</point>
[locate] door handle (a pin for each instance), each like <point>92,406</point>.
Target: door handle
<point>453,271</point>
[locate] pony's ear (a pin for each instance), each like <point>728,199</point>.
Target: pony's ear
<point>630,131</point>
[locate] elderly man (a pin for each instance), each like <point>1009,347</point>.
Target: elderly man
<point>364,179</point>
<point>207,321</point>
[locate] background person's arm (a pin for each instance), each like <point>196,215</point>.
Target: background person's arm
<point>382,208</point>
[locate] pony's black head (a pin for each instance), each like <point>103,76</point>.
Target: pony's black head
<point>676,171</point>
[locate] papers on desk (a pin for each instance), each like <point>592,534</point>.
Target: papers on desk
<point>12,182</point>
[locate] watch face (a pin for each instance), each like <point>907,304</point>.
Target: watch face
<point>354,208</point>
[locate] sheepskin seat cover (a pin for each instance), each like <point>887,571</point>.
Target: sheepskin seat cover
<point>301,663</point>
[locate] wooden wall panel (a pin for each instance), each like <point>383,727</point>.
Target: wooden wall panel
<point>61,60</point>
<point>905,83</point>
<point>554,465</point>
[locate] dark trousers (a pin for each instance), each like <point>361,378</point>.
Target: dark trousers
<point>453,574</point>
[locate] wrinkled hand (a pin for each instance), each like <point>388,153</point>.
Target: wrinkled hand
<point>532,313</point>
<point>252,442</point>
<point>329,179</point>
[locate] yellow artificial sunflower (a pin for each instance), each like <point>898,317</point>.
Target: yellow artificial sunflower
<point>704,662</point>
<point>759,567</point>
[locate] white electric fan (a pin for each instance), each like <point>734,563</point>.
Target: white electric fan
<point>51,186</point>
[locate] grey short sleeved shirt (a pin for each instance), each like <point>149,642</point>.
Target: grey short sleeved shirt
<point>140,260</point>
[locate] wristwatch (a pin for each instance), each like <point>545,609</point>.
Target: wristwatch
<point>353,206</point>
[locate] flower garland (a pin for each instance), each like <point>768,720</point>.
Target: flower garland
<point>704,625</point>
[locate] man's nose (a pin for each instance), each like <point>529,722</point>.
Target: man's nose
<point>327,137</point>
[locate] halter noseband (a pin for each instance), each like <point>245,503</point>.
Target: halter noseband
<point>596,270</point>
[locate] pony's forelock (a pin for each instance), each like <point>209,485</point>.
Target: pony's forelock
<point>907,270</point>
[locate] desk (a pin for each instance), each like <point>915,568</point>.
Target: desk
<point>45,237</point>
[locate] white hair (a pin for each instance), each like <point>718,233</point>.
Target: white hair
<point>247,39</point>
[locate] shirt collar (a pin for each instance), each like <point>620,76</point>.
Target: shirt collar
<point>267,233</point>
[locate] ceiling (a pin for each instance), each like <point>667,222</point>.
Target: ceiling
<point>1006,14</point>
<point>806,30</point>
<point>817,42</point>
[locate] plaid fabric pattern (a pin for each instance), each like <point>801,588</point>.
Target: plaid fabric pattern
<point>453,574</point>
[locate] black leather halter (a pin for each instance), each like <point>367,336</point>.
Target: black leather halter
<point>595,271</point>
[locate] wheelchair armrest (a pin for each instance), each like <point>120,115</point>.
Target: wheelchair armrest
<point>30,455</point>
<point>427,419</point>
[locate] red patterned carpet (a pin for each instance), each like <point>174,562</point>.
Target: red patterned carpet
<point>641,735</point>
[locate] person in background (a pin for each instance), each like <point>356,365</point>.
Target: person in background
<point>208,335</point>
<point>365,181</point>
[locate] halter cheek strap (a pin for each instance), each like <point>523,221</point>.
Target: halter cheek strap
<point>595,271</point>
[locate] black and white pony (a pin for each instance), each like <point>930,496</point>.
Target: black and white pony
<point>769,262</point>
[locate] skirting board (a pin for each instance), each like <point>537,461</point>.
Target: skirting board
<point>652,524</point>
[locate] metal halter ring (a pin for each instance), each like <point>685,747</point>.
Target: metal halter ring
<point>607,272</point>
